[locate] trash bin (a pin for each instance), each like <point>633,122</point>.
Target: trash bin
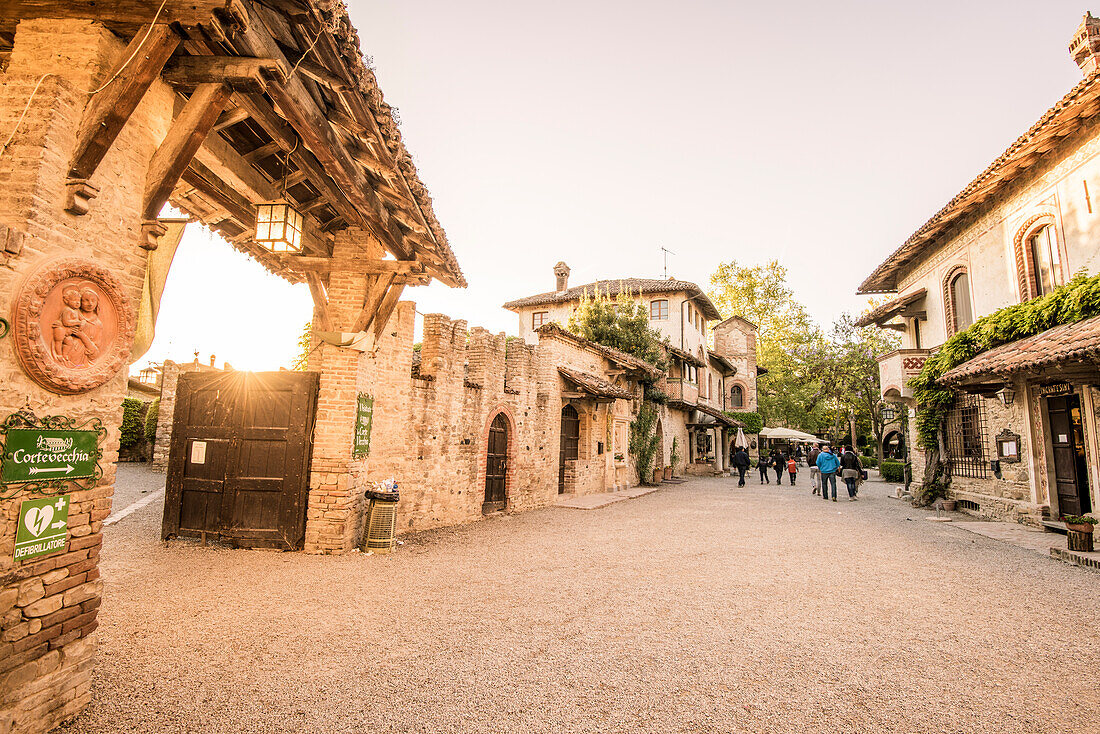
<point>381,521</point>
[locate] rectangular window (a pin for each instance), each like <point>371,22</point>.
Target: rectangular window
<point>966,438</point>
<point>539,318</point>
<point>658,310</point>
<point>1046,261</point>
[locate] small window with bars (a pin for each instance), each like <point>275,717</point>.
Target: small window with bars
<point>538,318</point>
<point>966,438</point>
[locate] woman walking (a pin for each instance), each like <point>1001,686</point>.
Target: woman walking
<point>851,471</point>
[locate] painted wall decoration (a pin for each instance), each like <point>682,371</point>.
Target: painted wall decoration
<point>73,326</point>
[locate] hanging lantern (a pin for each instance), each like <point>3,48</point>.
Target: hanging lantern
<point>278,226</point>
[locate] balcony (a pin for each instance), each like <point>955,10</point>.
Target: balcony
<point>896,369</point>
<point>682,391</point>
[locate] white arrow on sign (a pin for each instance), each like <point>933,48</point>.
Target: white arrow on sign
<point>67,469</point>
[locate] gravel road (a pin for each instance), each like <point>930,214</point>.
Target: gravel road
<point>700,608</point>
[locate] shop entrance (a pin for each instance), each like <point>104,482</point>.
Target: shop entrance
<point>1068,443</point>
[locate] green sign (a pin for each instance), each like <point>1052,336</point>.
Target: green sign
<point>43,527</point>
<point>364,416</point>
<point>36,455</point>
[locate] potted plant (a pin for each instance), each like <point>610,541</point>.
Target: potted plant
<point>658,474</point>
<point>1079,532</point>
<point>674,457</point>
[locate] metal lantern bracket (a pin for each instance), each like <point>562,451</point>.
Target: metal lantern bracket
<point>26,419</point>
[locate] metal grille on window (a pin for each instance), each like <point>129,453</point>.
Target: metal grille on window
<point>966,438</point>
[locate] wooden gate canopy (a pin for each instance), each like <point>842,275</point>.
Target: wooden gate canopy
<point>272,93</point>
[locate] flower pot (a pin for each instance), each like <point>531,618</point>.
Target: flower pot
<point>948,505</point>
<point>668,472</point>
<point>657,474</point>
<point>1079,540</point>
<point>1080,527</point>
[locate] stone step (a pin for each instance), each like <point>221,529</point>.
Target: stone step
<point>1054,526</point>
<point>673,481</point>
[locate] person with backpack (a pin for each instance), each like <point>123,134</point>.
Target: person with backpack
<point>763,465</point>
<point>851,471</point>
<point>779,460</point>
<point>815,473</point>
<point>741,463</point>
<point>828,464</point>
<point>792,469</point>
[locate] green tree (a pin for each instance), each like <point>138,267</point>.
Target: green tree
<point>789,345</point>
<point>643,442</point>
<point>305,347</point>
<point>621,323</point>
<point>132,429</point>
<point>151,417</point>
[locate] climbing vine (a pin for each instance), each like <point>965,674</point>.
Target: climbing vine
<point>753,421</point>
<point>643,441</point>
<point>1076,300</point>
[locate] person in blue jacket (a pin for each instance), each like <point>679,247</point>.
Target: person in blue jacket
<point>828,464</point>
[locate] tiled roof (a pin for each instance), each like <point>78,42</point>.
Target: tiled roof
<point>1065,118</point>
<point>594,385</point>
<point>553,329</point>
<point>719,416</point>
<point>685,355</point>
<point>889,309</point>
<point>624,285</point>
<point>730,366</point>
<point>1069,343</point>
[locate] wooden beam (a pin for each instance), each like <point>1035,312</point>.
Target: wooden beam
<point>257,155</point>
<point>321,75</point>
<point>184,12</point>
<point>389,303</point>
<point>210,186</point>
<point>375,295</point>
<point>320,300</point>
<point>241,73</point>
<point>229,118</point>
<point>180,145</point>
<point>108,111</point>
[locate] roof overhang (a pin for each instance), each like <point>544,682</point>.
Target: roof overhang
<point>904,306</point>
<point>597,387</point>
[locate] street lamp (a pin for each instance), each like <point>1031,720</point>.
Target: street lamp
<point>1007,395</point>
<point>278,226</point>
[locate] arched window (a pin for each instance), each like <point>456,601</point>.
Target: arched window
<point>1044,259</point>
<point>737,397</point>
<point>956,297</point>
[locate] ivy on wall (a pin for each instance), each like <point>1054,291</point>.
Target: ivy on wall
<point>1077,300</point>
<point>753,421</point>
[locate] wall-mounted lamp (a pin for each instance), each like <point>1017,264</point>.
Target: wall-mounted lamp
<point>1007,395</point>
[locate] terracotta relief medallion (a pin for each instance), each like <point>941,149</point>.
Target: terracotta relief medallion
<point>73,326</point>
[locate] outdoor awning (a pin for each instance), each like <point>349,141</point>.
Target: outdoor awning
<point>894,307</point>
<point>789,434</point>
<point>1068,348</point>
<point>594,386</point>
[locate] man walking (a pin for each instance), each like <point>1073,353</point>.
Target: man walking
<point>851,471</point>
<point>815,473</point>
<point>780,464</point>
<point>741,463</point>
<point>763,464</point>
<point>828,464</point>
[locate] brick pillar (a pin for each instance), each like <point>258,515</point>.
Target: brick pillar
<point>48,605</point>
<point>333,517</point>
<point>169,378</point>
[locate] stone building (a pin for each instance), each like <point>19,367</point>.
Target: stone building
<point>1023,438</point>
<point>702,382</point>
<point>108,111</point>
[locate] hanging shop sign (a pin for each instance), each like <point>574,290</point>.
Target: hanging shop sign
<point>1058,388</point>
<point>43,527</point>
<point>364,418</point>
<point>51,452</point>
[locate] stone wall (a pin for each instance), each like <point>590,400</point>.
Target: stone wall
<point>48,606</point>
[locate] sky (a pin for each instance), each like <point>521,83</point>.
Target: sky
<point>818,134</point>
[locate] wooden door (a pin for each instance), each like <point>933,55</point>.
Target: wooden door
<point>1067,439</point>
<point>496,465</point>
<point>238,466</point>
<point>570,442</point>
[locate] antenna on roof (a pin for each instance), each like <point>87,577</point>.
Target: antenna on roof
<point>666,252</point>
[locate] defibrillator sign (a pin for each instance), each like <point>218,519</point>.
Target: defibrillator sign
<point>43,527</point>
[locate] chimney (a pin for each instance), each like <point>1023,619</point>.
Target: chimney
<point>561,272</point>
<point>211,360</point>
<point>1085,46</point>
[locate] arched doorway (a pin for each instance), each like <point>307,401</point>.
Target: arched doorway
<point>496,466</point>
<point>570,442</point>
<point>893,447</point>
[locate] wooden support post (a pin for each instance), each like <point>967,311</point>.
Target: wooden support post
<point>389,303</point>
<point>320,300</point>
<point>375,295</point>
<point>108,111</point>
<point>179,146</point>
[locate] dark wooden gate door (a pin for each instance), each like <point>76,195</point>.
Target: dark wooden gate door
<point>570,441</point>
<point>238,466</point>
<point>1067,438</point>
<point>496,461</point>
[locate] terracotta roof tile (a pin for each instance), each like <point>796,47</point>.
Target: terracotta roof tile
<point>594,385</point>
<point>890,308</point>
<point>629,361</point>
<point>623,285</point>
<point>1069,343</point>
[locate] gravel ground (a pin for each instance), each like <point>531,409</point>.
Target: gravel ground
<point>701,608</point>
<point>133,482</point>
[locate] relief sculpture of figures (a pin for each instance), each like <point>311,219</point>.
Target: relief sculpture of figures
<point>73,326</point>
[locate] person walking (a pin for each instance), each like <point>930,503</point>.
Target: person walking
<point>792,469</point>
<point>763,464</point>
<point>780,463</point>
<point>851,471</point>
<point>741,463</point>
<point>815,473</point>
<point>828,464</point>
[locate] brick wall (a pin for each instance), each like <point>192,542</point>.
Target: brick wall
<point>48,606</point>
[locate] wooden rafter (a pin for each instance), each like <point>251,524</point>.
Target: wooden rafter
<point>242,74</point>
<point>184,12</point>
<point>109,110</point>
<point>180,145</point>
<point>375,295</point>
<point>385,310</point>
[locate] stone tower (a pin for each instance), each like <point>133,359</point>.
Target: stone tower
<point>1085,46</point>
<point>561,272</point>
